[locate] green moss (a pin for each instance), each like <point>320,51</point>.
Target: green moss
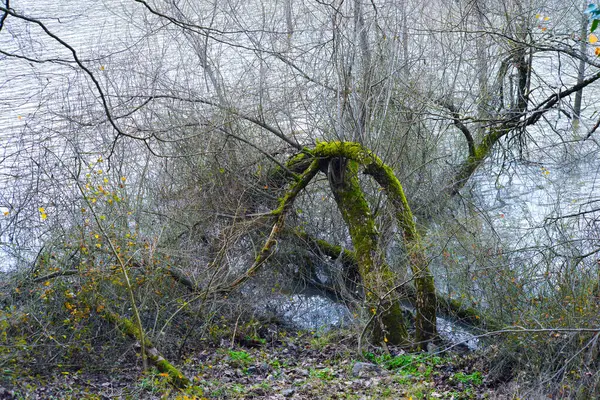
<point>348,257</point>
<point>377,277</point>
<point>382,173</point>
<point>286,202</point>
<point>480,153</point>
<point>475,378</point>
<point>177,378</point>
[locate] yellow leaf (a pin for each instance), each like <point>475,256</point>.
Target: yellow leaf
<point>102,68</point>
<point>593,38</point>
<point>6,213</point>
<point>537,16</point>
<point>546,18</point>
<point>597,51</point>
<point>44,216</point>
<point>41,209</point>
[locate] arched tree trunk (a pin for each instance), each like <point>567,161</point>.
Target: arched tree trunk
<point>343,160</point>
<point>377,277</point>
<point>354,153</point>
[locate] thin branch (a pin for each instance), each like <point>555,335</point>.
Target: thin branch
<point>460,125</point>
<point>34,60</point>
<point>3,18</point>
<point>53,275</point>
<point>87,71</point>
<point>233,111</point>
<point>555,98</point>
<point>269,247</point>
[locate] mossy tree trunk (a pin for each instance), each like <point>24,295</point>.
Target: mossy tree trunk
<point>378,279</point>
<point>354,154</point>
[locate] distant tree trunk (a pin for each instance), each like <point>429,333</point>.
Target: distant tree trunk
<point>377,277</point>
<point>581,69</point>
<point>482,68</point>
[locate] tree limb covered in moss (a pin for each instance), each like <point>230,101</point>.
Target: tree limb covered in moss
<point>286,203</point>
<point>346,256</point>
<point>126,326</point>
<point>450,307</point>
<point>377,276</point>
<point>514,120</point>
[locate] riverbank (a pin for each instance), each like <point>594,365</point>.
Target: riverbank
<point>293,365</point>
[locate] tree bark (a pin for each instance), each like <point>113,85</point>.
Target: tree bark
<point>581,68</point>
<point>377,277</point>
<point>426,327</point>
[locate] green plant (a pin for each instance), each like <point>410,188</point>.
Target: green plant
<point>475,378</point>
<point>321,339</point>
<point>324,374</point>
<point>407,364</point>
<point>276,364</point>
<point>240,358</point>
<point>155,382</point>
